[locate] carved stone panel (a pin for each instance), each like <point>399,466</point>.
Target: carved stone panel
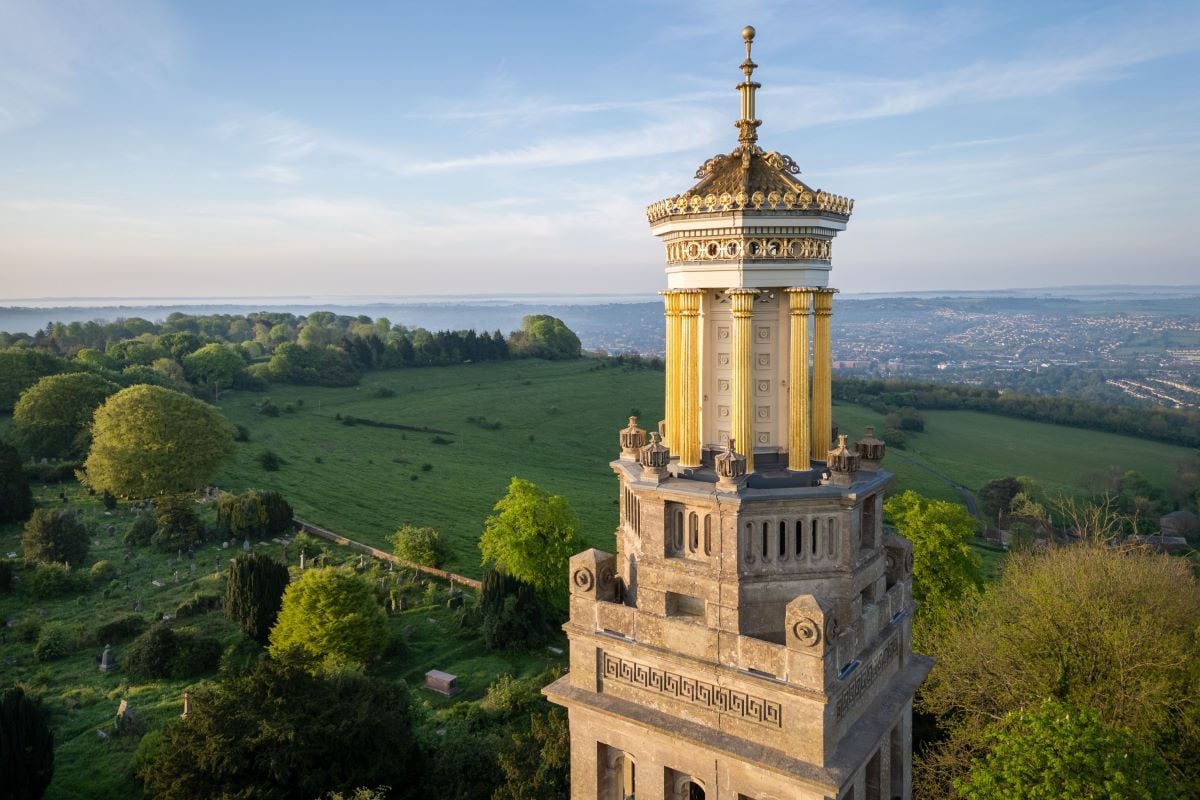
<point>691,690</point>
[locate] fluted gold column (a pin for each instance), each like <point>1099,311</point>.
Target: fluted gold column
<point>674,378</point>
<point>800,304</point>
<point>822,404</point>
<point>742,430</point>
<point>688,445</point>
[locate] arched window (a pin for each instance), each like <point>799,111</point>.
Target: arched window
<point>782,539</point>
<point>749,543</point>
<point>815,535</point>
<point>693,532</point>
<point>831,537</point>
<point>799,550</point>
<point>766,531</point>
<point>678,543</point>
<point>708,534</point>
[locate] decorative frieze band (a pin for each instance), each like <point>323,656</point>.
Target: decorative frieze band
<point>778,248</point>
<point>681,687</point>
<point>866,676</point>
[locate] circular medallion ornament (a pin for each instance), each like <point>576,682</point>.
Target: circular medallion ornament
<point>583,579</point>
<point>807,632</point>
<point>908,563</point>
<point>606,578</point>
<point>831,629</point>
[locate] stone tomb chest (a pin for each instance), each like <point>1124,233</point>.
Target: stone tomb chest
<point>441,682</point>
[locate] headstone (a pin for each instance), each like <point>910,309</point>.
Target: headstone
<point>187,705</point>
<point>455,600</point>
<point>192,568</point>
<point>246,546</point>
<point>157,583</point>
<point>177,576</point>
<point>301,560</point>
<point>224,545</point>
<point>126,717</point>
<point>127,584</point>
<point>137,605</point>
<point>443,683</point>
<point>362,561</point>
<point>107,662</point>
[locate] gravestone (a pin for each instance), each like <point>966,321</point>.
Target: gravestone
<point>455,600</point>
<point>107,662</point>
<point>246,546</point>
<point>126,717</point>
<point>443,683</point>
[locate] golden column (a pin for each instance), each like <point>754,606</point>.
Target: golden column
<point>800,304</point>
<point>822,413</point>
<point>742,430</point>
<point>674,378</point>
<point>688,443</point>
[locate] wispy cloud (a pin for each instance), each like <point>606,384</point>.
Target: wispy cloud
<point>47,50</point>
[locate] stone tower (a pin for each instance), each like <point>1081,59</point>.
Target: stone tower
<point>751,636</point>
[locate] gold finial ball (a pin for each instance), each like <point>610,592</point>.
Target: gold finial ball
<point>748,33</point>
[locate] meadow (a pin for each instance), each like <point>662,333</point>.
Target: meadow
<point>556,424</point>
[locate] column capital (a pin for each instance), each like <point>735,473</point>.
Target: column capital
<point>689,302</point>
<point>800,300</point>
<point>742,301</point>
<point>823,301</point>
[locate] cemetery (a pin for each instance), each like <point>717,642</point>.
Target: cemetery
<point>82,647</point>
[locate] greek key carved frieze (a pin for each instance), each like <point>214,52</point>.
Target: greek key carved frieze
<point>691,690</point>
<point>866,676</point>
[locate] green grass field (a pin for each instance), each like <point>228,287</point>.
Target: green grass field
<point>558,428</point>
<point>972,448</point>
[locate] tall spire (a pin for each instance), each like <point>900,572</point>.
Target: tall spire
<point>748,126</point>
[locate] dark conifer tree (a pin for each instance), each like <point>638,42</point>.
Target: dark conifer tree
<point>254,593</point>
<point>26,747</point>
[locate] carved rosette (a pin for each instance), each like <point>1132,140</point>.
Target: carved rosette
<point>583,579</point>
<point>870,449</point>
<point>633,439</point>
<point>807,632</point>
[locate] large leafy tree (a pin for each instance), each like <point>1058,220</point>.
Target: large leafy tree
<point>147,440</point>
<point>544,336</point>
<point>1053,751</point>
<point>279,731</point>
<point>20,368</point>
<point>1103,629</point>
<point>423,546</point>
<point>54,416</point>
<point>945,569</point>
<point>332,615</point>
<point>531,535</point>
<point>26,747</point>
<point>16,500</point>
<point>214,367</point>
<point>537,764</point>
<point>254,593</point>
<point>52,535</point>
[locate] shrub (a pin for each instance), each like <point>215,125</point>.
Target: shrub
<point>254,514</point>
<point>383,392</point>
<point>241,656</point>
<point>54,641</point>
<point>52,580</point>
<point>510,696</point>
<point>123,627</point>
<point>55,536</point>
<point>27,629</point>
<point>161,653</point>
<point>441,440</point>
<point>109,500</point>
<point>270,460</point>
<point>894,437</point>
<point>241,433</point>
<point>422,546</point>
<point>178,525</point>
<point>426,467</point>
<point>27,746</point>
<point>142,530</point>
<point>6,576</point>
<point>267,408</point>
<point>197,604</point>
<point>103,571</point>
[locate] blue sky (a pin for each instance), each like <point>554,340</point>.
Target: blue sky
<point>197,149</point>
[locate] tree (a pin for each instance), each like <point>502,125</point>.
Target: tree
<point>532,535</point>
<point>945,570</point>
<point>331,614</point>
<point>21,368</point>
<point>537,765</point>
<point>512,617</point>
<point>1053,751</point>
<point>422,546</point>
<point>254,513</point>
<point>58,536</point>
<point>1104,629</point>
<point>147,440</point>
<point>254,593</point>
<point>16,500</point>
<point>995,497</point>
<point>214,367</point>
<point>279,731</point>
<point>26,747</point>
<point>177,526</point>
<point>54,416</point>
<point>544,336</point>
